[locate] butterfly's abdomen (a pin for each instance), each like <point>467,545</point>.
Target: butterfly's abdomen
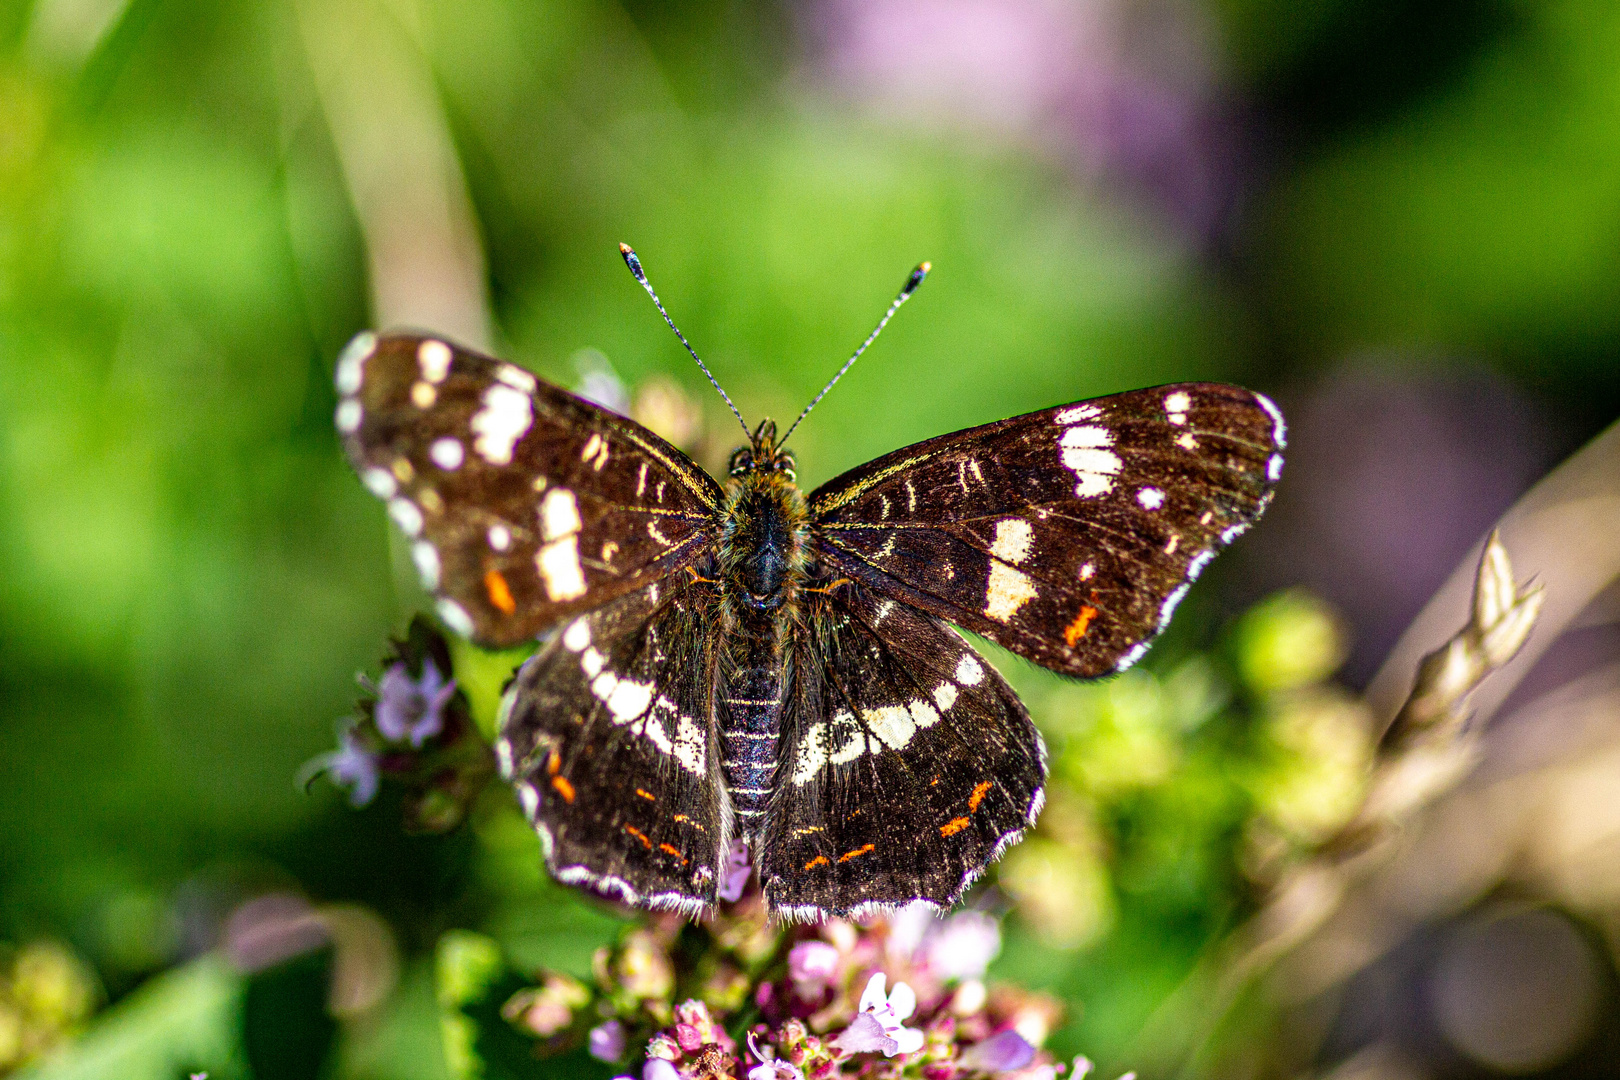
<point>750,712</point>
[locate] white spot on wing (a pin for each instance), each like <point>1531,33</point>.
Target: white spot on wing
<point>559,514</point>
<point>968,670</point>
<point>1176,406</point>
<point>504,419</point>
<point>516,378</point>
<point>1151,498</point>
<point>577,636</point>
<point>1186,441</point>
<point>455,617</point>
<point>1200,561</point>
<point>352,361</point>
<point>426,557</point>
<point>1274,468</point>
<point>1013,536</point>
<point>1234,532</point>
<point>1086,570</point>
<point>348,416</point>
<point>433,357</point>
<point>447,453</point>
<point>560,572</point>
<point>1007,590</point>
<point>944,696</point>
<point>530,799</point>
<point>892,724</point>
<point>592,662</point>
<point>1077,414</point>
<point>500,537</point>
<point>423,395</point>
<point>406,515</point>
<point>380,482</point>
<point>1093,466</point>
<point>1086,436</point>
<point>629,700</point>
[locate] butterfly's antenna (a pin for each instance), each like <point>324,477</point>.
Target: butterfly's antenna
<point>634,264</point>
<point>910,287</point>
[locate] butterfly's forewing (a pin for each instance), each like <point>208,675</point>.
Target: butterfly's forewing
<point>524,504</point>
<point>906,764</point>
<point>1067,535</point>
<point>605,734</point>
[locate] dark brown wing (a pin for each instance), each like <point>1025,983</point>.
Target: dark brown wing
<point>525,504</point>
<point>907,765</point>
<point>607,736</point>
<point>1067,535</point>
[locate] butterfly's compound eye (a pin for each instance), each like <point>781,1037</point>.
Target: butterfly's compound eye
<point>786,463</point>
<point>742,460</point>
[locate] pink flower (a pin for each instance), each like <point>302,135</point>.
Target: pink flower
<point>961,947</point>
<point>879,1025</point>
<point>813,968</point>
<point>770,1066</point>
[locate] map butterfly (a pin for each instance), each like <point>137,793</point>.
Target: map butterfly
<point>738,660</point>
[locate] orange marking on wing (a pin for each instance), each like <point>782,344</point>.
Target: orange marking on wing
<point>1077,629</point>
<point>978,795</point>
<point>819,860</point>
<point>553,763</point>
<point>500,594</point>
<point>639,835</point>
<point>671,849</point>
<point>862,850</point>
<point>645,794</point>
<point>953,826</point>
<point>683,819</point>
<point>564,788</point>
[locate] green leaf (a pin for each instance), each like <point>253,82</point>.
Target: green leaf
<point>183,1021</point>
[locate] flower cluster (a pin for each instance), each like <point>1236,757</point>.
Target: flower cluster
<point>739,998</point>
<point>414,726</point>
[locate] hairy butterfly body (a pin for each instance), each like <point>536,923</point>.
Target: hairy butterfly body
<point>743,661</point>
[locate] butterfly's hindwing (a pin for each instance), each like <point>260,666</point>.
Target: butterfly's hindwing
<point>606,734</point>
<point>907,764</point>
<point>1067,535</point>
<point>523,503</point>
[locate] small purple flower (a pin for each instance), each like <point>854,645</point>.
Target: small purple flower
<point>607,1041</point>
<point>770,1066</point>
<point>813,968</point>
<point>351,765</point>
<point>879,1025</point>
<point>734,878</point>
<point>998,1053</point>
<point>659,1069</point>
<point>412,708</point>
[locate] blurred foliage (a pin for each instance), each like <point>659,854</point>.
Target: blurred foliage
<point>192,576</point>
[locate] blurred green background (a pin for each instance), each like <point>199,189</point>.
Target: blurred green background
<point>1400,218</point>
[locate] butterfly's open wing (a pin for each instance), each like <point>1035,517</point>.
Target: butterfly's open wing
<point>906,764</point>
<point>606,734</point>
<point>1067,535</point>
<point>524,503</point>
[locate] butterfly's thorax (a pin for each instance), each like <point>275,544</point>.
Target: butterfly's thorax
<point>762,566</point>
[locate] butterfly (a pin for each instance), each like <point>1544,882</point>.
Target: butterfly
<point>737,660</point>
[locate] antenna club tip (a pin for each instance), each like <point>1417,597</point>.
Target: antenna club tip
<point>916,278</point>
<point>625,249</point>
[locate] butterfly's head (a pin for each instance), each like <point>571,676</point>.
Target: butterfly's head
<point>763,454</point>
